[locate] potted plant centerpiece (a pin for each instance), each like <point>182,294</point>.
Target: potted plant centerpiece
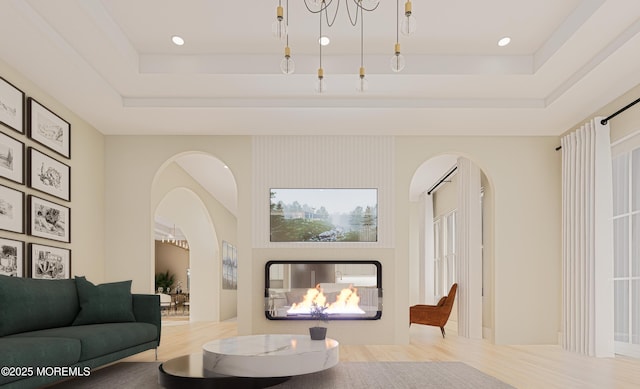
<point>318,312</point>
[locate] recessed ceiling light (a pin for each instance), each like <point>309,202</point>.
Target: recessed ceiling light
<point>177,40</point>
<point>504,41</point>
<point>324,40</point>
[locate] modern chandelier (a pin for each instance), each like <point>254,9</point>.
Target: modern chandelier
<point>327,10</point>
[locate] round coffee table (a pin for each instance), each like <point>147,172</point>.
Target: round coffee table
<point>255,361</point>
<point>269,355</point>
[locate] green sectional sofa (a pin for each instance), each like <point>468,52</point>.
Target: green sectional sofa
<point>55,329</point>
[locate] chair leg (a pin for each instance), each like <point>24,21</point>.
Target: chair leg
<point>442,330</point>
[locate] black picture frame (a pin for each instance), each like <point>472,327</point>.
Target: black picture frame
<point>313,268</point>
<point>48,220</point>
<point>48,129</point>
<point>12,258</point>
<point>11,210</point>
<point>48,175</point>
<point>11,158</point>
<point>49,262</point>
<point>11,106</point>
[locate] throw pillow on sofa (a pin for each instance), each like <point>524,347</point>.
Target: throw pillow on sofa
<point>104,303</point>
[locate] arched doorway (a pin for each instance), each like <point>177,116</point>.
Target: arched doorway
<point>186,209</point>
<point>454,222</point>
<point>198,193</point>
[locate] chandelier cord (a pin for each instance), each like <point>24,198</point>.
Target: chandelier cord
<point>287,23</point>
<point>351,20</point>
<point>319,43</point>
<point>322,8</point>
<point>397,21</point>
<point>361,37</point>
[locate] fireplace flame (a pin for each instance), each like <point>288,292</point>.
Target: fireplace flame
<point>346,302</point>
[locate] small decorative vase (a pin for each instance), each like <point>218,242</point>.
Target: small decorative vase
<point>318,333</point>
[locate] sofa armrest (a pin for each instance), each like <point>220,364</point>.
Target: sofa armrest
<point>146,309</point>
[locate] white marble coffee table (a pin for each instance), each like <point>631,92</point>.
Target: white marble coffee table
<point>269,355</point>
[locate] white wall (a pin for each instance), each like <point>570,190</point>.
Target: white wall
<point>525,178</point>
<point>135,184</point>
<point>525,174</point>
<point>87,184</point>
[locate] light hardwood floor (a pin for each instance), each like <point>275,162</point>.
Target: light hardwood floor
<point>536,367</point>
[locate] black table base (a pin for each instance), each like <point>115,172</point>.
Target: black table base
<point>187,372</point>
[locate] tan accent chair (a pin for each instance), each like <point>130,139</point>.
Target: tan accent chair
<point>434,315</point>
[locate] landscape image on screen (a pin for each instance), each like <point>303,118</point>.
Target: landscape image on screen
<point>324,215</point>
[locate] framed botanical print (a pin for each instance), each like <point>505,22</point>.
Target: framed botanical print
<point>48,175</point>
<point>48,129</point>
<point>48,262</point>
<point>11,210</point>
<point>11,159</point>
<point>49,220</point>
<point>11,106</point>
<point>11,257</point>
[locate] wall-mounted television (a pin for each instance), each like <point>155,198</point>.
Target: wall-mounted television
<point>324,215</point>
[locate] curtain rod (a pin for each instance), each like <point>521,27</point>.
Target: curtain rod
<point>621,110</point>
<point>442,180</point>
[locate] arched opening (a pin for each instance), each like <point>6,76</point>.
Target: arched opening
<point>186,209</point>
<point>444,233</point>
<point>197,193</point>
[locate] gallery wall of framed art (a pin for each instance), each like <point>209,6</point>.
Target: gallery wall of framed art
<point>35,187</point>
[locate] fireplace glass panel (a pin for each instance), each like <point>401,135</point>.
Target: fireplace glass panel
<point>350,290</point>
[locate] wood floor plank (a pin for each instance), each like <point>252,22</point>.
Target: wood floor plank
<point>535,367</point>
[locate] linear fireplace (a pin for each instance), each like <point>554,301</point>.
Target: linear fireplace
<point>349,289</point>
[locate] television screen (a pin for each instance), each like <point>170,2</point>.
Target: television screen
<point>324,215</point>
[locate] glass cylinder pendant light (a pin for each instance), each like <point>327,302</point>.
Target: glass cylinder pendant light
<point>362,84</point>
<point>397,61</point>
<point>321,84</point>
<point>287,65</point>
<point>409,23</point>
<point>279,27</point>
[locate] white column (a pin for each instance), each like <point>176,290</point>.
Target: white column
<point>469,250</point>
<point>426,276</point>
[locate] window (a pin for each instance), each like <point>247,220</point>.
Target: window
<point>626,237</point>
<point>444,235</point>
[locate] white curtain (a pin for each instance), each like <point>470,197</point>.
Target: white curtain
<point>469,250</point>
<point>587,228</point>
<point>426,254</point>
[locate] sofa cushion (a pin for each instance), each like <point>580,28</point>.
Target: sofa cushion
<point>32,304</point>
<point>37,351</point>
<point>105,303</point>
<point>100,339</point>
